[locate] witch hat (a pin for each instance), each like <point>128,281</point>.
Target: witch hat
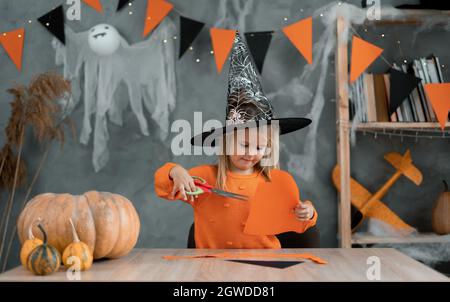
<point>247,105</point>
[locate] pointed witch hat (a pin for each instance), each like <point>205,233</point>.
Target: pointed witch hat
<point>247,105</point>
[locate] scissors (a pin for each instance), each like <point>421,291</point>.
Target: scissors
<point>204,187</point>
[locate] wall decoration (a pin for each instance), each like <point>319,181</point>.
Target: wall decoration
<point>363,54</point>
<point>157,10</point>
<point>105,68</point>
<point>222,41</point>
<point>123,3</point>
<point>439,95</point>
<point>300,34</point>
<point>258,44</point>
<point>12,42</point>
<point>95,4</point>
<point>401,85</point>
<point>106,222</point>
<point>189,30</point>
<point>53,21</point>
<point>104,39</point>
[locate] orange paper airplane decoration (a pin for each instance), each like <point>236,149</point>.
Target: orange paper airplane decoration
<point>300,34</point>
<point>95,4</point>
<point>12,41</point>
<point>439,95</point>
<point>157,10</point>
<point>222,42</point>
<point>363,54</point>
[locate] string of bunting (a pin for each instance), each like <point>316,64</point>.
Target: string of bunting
<point>299,33</point>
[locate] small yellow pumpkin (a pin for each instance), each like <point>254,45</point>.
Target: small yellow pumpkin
<point>44,259</point>
<point>78,249</point>
<point>30,244</point>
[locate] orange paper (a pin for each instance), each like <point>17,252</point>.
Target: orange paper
<point>439,95</point>
<point>95,4</point>
<point>363,54</point>
<point>12,41</point>
<point>272,210</point>
<point>242,255</point>
<point>157,10</point>
<point>222,42</point>
<point>300,34</point>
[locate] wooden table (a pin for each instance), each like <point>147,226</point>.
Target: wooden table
<point>148,265</point>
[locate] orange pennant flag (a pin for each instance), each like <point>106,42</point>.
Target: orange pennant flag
<point>300,34</point>
<point>363,54</point>
<point>95,4</point>
<point>439,95</point>
<point>157,10</point>
<point>12,41</point>
<point>222,42</point>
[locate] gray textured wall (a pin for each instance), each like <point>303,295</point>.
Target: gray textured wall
<point>134,157</point>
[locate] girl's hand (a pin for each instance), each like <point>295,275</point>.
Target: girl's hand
<point>182,182</point>
<point>304,210</point>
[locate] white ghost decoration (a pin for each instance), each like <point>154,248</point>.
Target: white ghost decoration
<point>104,39</point>
<point>147,68</point>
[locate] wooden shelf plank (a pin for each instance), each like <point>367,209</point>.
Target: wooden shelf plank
<point>362,238</point>
<point>399,125</point>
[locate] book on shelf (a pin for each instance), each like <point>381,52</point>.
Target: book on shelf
<point>370,94</point>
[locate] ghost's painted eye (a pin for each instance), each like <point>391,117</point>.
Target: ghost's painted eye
<point>92,30</point>
<point>106,27</point>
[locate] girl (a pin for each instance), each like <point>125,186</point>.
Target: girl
<point>220,222</point>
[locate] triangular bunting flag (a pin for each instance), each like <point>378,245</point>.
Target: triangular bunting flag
<point>12,41</point>
<point>222,42</point>
<point>189,29</point>
<point>258,43</point>
<point>401,85</point>
<point>439,95</point>
<point>95,4</point>
<point>122,4</point>
<point>53,21</point>
<point>300,34</point>
<point>363,54</point>
<point>157,10</point>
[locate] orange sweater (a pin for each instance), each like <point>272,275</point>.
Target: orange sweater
<point>220,221</point>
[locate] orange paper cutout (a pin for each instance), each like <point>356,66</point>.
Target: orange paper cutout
<point>300,34</point>
<point>222,42</point>
<point>157,10</point>
<point>363,54</point>
<point>95,4</point>
<point>439,95</point>
<point>271,216</point>
<point>12,41</point>
<point>243,255</point>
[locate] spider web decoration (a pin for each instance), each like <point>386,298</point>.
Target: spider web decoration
<point>246,100</point>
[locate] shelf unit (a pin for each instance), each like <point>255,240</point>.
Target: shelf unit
<point>343,125</point>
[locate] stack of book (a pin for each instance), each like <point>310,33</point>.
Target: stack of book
<point>369,95</point>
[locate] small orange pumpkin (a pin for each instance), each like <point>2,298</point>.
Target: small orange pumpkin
<point>441,212</point>
<point>44,259</point>
<point>30,244</point>
<point>77,249</point>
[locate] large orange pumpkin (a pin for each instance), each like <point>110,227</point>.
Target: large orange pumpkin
<point>108,223</point>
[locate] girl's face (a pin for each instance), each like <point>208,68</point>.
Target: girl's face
<point>249,147</point>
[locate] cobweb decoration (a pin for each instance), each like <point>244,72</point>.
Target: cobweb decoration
<point>148,70</point>
<point>246,99</point>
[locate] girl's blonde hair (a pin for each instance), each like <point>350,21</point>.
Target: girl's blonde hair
<point>224,163</point>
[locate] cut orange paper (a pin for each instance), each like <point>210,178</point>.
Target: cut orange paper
<point>95,4</point>
<point>439,95</point>
<point>157,10</point>
<point>12,41</point>
<point>244,255</point>
<point>272,216</point>
<point>300,34</point>
<point>222,42</point>
<point>363,54</point>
